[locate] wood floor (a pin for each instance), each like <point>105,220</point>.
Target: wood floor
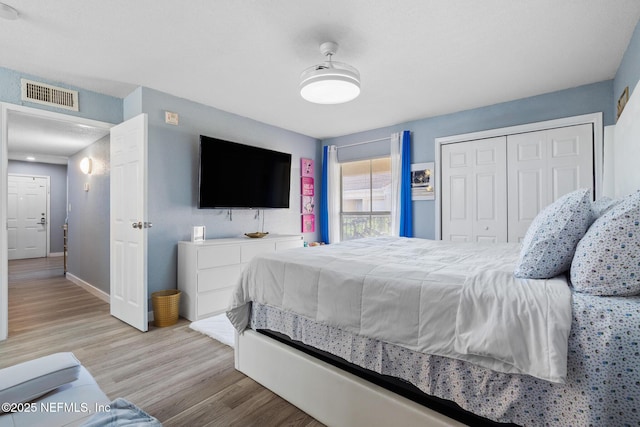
<point>180,376</point>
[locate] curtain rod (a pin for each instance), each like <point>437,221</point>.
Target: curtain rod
<point>363,142</point>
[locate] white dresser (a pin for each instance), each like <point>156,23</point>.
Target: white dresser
<point>208,271</point>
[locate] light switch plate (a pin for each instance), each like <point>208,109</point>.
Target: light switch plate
<point>171,118</point>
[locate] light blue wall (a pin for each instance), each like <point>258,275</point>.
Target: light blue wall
<point>57,195</point>
<point>173,176</point>
<point>628,73</point>
<point>89,216</point>
<point>571,102</point>
<point>92,105</point>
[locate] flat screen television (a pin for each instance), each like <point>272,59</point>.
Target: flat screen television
<point>234,175</point>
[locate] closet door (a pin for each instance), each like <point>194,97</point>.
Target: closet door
<point>543,166</point>
<point>474,204</point>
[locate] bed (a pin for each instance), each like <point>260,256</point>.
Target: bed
<point>590,379</point>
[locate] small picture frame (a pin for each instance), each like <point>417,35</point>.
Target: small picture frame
<point>198,233</point>
<point>423,181</point>
<point>307,188</point>
<point>622,102</point>
<point>308,223</point>
<point>307,204</point>
<point>306,167</point>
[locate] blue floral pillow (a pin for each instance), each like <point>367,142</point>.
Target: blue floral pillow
<point>548,246</point>
<point>602,205</point>
<point>607,259</point>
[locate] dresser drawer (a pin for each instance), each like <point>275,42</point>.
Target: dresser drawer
<point>213,302</point>
<point>249,251</point>
<point>218,277</point>
<point>216,256</point>
<point>288,244</point>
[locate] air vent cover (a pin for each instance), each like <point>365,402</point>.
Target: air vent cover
<point>41,93</point>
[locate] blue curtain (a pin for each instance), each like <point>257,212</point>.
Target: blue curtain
<point>324,197</point>
<point>406,217</point>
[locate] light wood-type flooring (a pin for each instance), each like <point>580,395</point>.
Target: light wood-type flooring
<point>180,376</point>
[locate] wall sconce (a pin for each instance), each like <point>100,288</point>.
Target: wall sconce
<point>86,165</point>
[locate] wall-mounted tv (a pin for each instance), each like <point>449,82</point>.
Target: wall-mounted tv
<point>234,175</point>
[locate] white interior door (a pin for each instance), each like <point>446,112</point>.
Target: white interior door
<point>27,216</point>
<point>128,288</point>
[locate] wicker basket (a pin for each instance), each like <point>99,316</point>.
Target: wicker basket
<point>166,306</point>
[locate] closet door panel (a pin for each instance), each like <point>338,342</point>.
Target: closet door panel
<point>474,191</point>
<point>544,166</point>
<point>490,174</point>
<point>570,159</point>
<point>564,180</point>
<point>528,181</point>
<point>456,193</point>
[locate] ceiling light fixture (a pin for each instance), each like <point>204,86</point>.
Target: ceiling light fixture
<point>330,82</point>
<point>7,12</point>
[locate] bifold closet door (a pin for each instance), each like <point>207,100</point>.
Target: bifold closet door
<point>474,191</point>
<point>543,166</point>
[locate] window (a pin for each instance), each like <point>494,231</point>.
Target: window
<point>366,198</point>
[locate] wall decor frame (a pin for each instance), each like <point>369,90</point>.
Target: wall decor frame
<point>622,101</point>
<point>307,192</point>
<point>423,181</point>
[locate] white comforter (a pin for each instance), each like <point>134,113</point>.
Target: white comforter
<point>456,300</point>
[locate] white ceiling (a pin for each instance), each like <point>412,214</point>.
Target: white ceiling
<point>47,140</point>
<point>417,58</point>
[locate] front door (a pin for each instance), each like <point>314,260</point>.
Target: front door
<point>128,222</point>
<point>27,216</point>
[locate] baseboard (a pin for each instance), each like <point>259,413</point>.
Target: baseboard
<point>55,254</point>
<point>89,287</point>
<point>97,292</point>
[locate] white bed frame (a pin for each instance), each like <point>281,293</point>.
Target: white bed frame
<point>330,395</point>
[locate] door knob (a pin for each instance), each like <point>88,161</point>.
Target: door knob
<point>137,225</point>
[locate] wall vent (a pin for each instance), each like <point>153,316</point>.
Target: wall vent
<point>41,93</point>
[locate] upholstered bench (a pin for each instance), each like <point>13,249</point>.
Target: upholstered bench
<point>56,390</point>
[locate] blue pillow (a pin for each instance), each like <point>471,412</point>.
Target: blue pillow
<point>607,259</point>
<point>550,242</point>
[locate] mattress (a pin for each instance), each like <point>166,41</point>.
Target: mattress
<point>448,299</point>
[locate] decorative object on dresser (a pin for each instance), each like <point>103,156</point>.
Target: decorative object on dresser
<point>208,270</point>
<point>198,233</point>
<point>256,235</point>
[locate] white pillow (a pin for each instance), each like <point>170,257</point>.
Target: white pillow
<point>27,381</point>
<point>550,242</point>
<point>607,259</point>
